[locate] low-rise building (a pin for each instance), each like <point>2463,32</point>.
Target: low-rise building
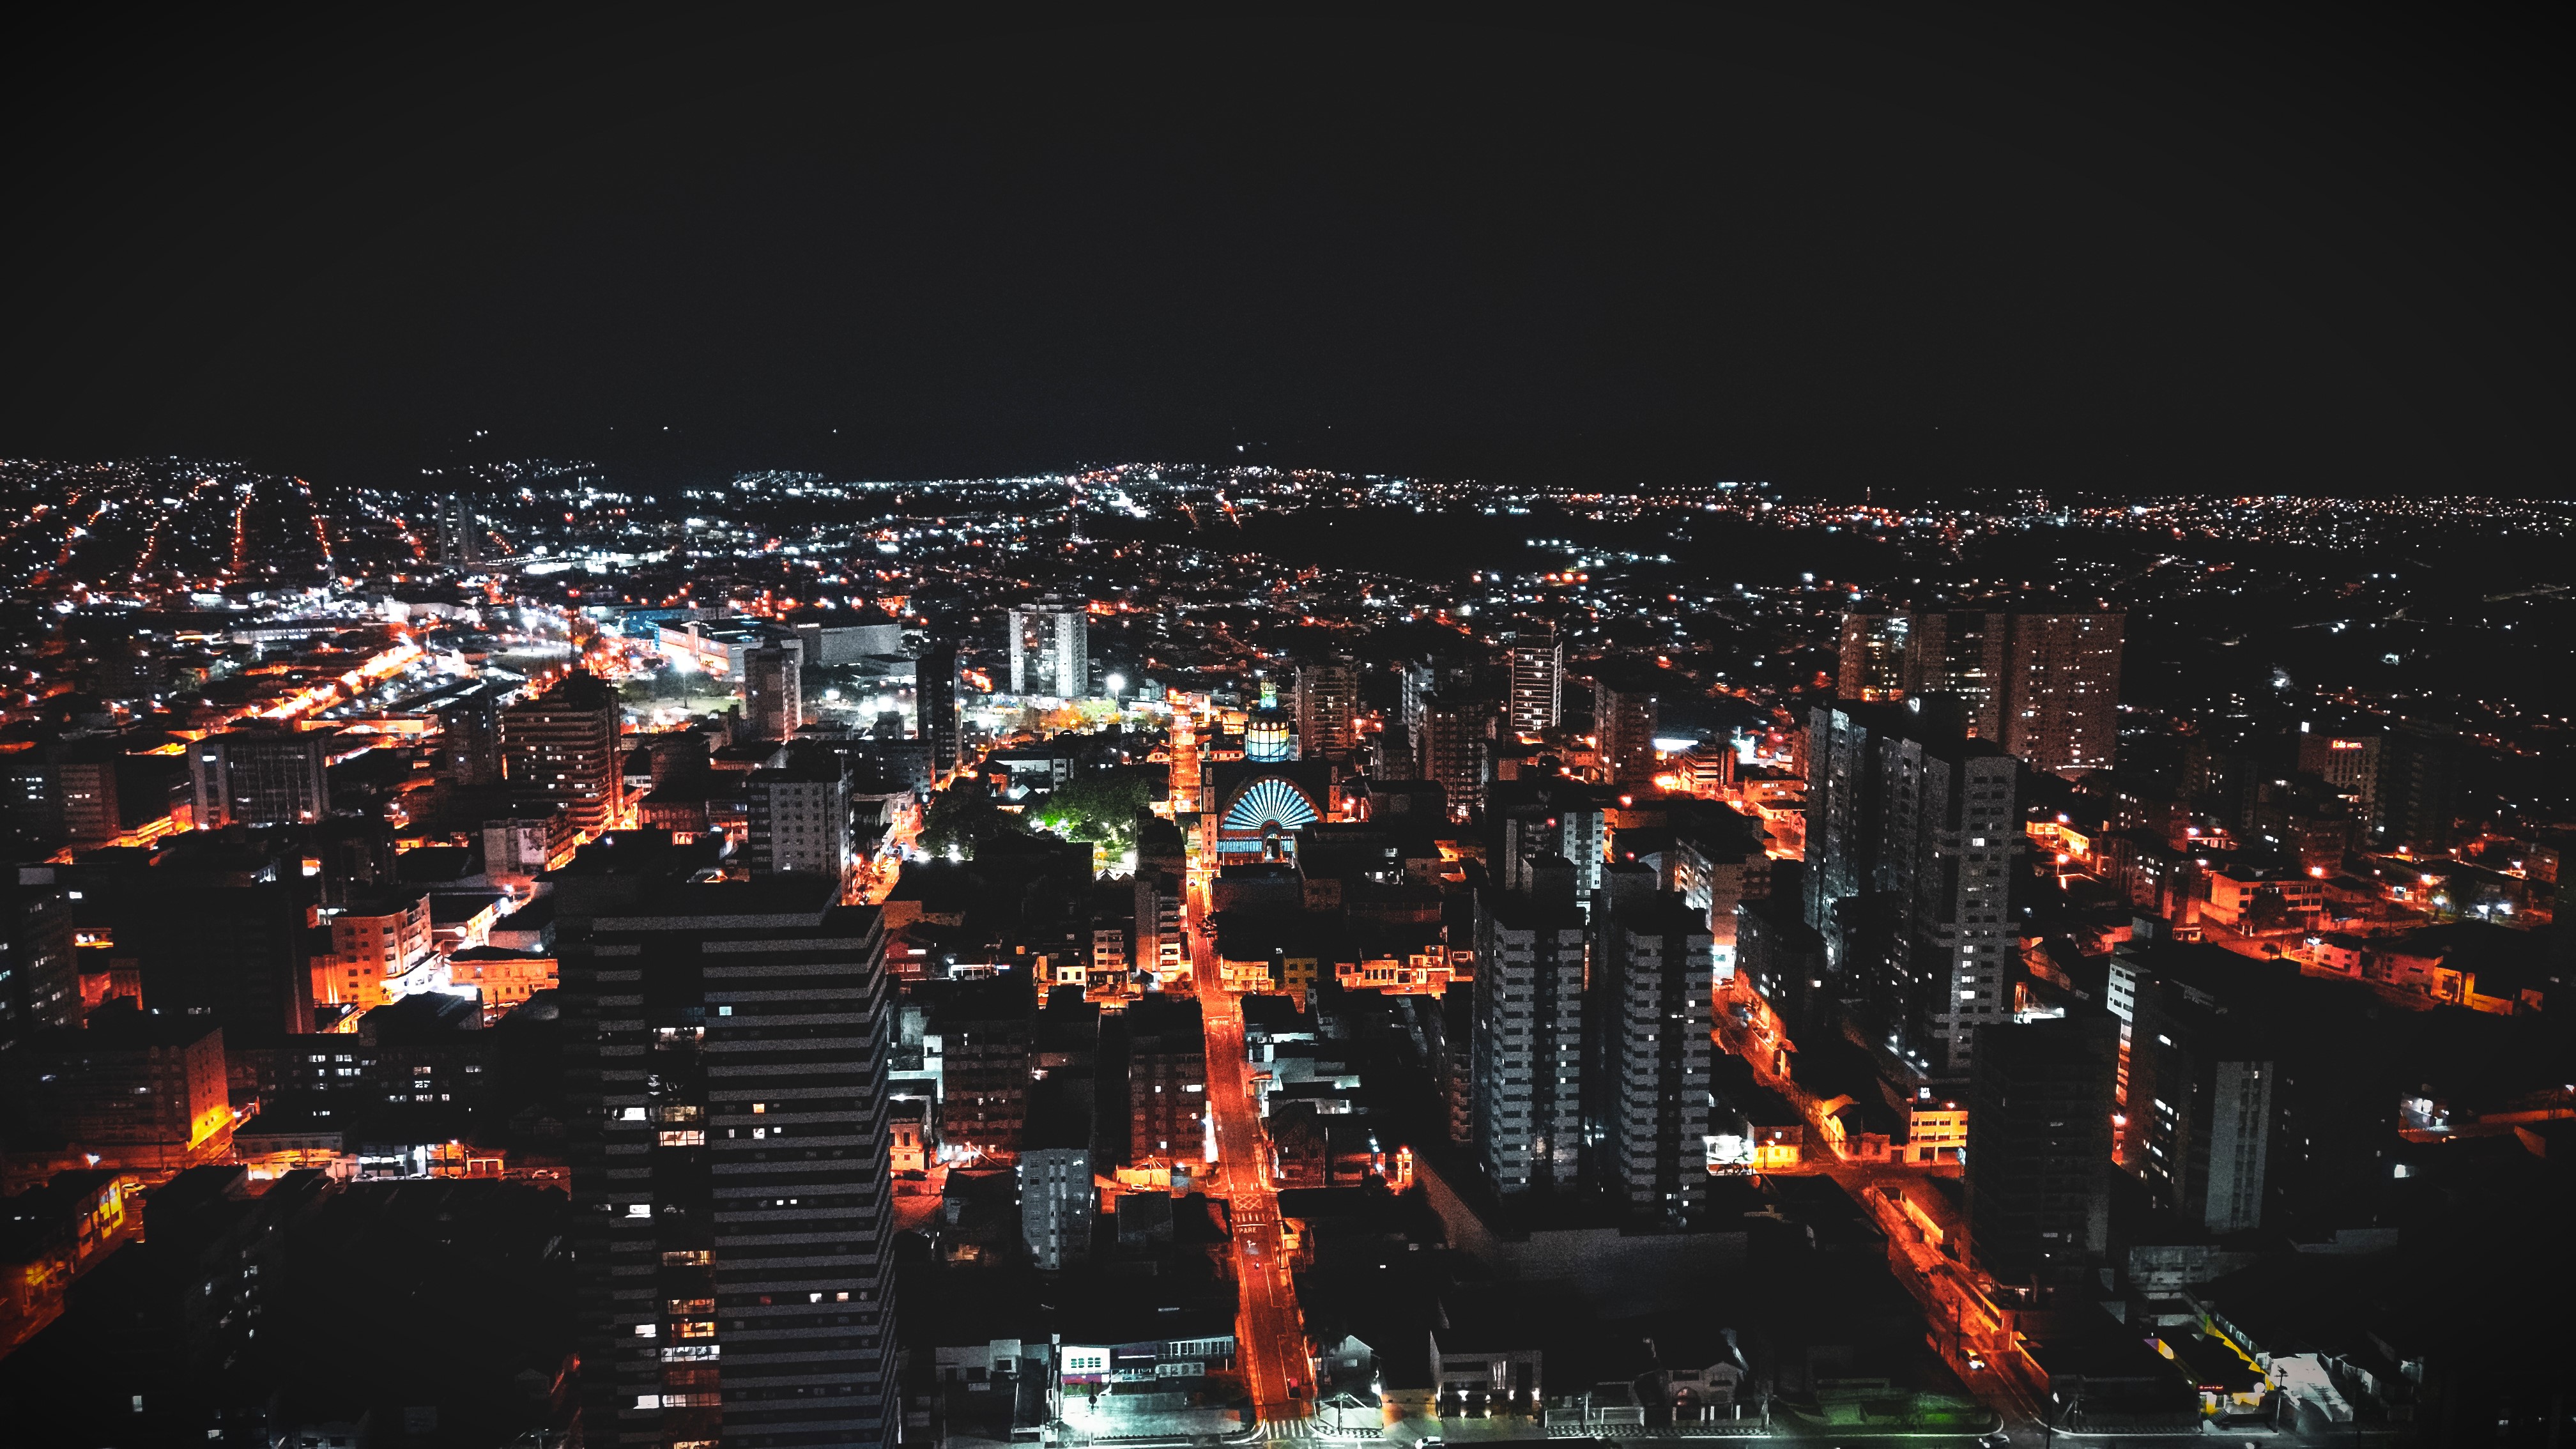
<point>2261,900</point>
<point>132,1088</point>
<point>1936,1131</point>
<point>501,977</point>
<point>381,951</point>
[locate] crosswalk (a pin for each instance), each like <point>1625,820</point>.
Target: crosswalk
<point>1312,1431</point>
<point>1316,1432</point>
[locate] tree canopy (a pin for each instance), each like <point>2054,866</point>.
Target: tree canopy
<point>1095,805</point>
<point>964,817</point>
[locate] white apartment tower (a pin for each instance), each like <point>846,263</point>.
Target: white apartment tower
<point>1050,651</point>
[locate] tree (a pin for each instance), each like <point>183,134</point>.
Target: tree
<point>1096,805</point>
<point>964,817</point>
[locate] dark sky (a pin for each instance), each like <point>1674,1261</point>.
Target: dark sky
<point>1917,248</point>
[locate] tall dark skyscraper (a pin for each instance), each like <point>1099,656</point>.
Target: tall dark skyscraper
<point>1452,737</point>
<point>1528,1043</point>
<point>2201,1112</point>
<point>220,944</point>
<point>934,707</point>
<point>1537,681</point>
<point>39,966</point>
<point>726,1069</point>
<point>1624,717</point>
<point>773,697</point>
<point>469,736</point>
<point>460,534</point>
<point>2039,1147</point>
<point>1646,1026</point>
<point>2416,792</point>
<point>1912,835</point>
<point>1328,707</point>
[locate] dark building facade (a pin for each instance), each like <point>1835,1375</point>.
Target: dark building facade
<point>1913,836</point>
<point>469,736</point>
<point>1646,1048</point>
<point>1167,1073</point>
<point>39,966</point>
<point>985,1030</point>
<point>260,777</point>
<point>726,1066</point>
<point>2416,795</point>
<point>2039,1147</point>
<point>773,696</point>
<point>1528,1035</point>
<point>934,704</point>
<point>1625,715</point>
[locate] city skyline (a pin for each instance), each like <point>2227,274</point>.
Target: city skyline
<point>828,731</point>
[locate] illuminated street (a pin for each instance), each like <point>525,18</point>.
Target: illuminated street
<point>1272,1334</point>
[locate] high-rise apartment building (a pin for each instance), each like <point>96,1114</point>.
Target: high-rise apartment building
<point>1646,1057</point>
<point>1528,1036</point>
<point>1050,651</point>
<point>2039,1148</point>
<point>773,695</point>
<point>1328,708</point>
<point>259,777</point>
<point>2201,1081</point>
<point>2348,762</point>
<point>1451,740</point>
<point>39,964</point>
<point>1912,838</point>
<point>560,753</point>
<point>2416,792</point>
<point>1966,654</point>
<point>1873,657</point>
<point>1537,820</point>
<point>2045,685</point>
<point>1717,862</point>
<point>934,708</point>
<point>1624,716</point>
<point>726,1060</point>
<point>469,736</point>
<point>2062,691</point>
<point>1421,680</point>
<point>74,792</point>
<point>985,1028</point>
<point>460,534</point>
<point>1537,686</point>
<point>800,816</point>
<point>1058,1201</point>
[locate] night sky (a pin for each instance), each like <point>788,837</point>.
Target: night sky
<point>1921,249</point>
